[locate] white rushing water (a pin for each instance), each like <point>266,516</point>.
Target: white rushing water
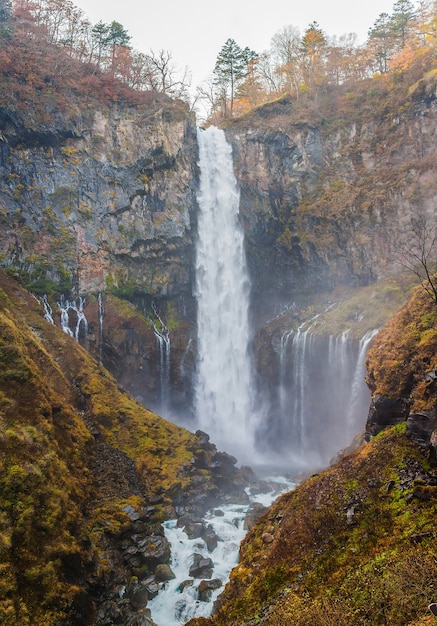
<point>101,313</point>
<point>359,395</point>
<point>177,602</point>
<point>48,311</point>
<point>162,335</point>
<point>80,324</point>
<point>224,383</point>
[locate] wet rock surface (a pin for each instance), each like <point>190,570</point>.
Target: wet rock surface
<point>206,587</point>
<point>385,412</point>
<point>202,567</point>
<point>254,512</point>
<point>139,556</point>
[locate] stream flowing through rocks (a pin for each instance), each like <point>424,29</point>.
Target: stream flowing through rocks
<point>201,564</point>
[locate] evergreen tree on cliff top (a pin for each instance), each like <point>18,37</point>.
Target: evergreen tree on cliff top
<point>230,69</point>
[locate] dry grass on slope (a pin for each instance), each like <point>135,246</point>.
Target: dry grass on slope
<point>354,545</point>
<point>74,452</point>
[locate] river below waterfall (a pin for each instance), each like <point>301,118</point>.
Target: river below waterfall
<point>178,600</point>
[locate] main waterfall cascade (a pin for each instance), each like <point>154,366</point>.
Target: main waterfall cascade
<point>318,401</point>
<point>224,389</point>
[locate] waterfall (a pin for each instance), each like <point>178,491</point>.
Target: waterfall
<point>358,390</point>
<point>81,319</point>
<point>301,385</point>
<point>162,335</point>
<point>283,370</point>
<point>65,306</point>
<point>321,396</point>
<point>223,390</point>
<point>48,311</point>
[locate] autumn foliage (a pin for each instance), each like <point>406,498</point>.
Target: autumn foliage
<point>38,68</point>
<point>307,66</point>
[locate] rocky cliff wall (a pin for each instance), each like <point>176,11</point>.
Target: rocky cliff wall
<point>103,200</point>
<point>328,192</point>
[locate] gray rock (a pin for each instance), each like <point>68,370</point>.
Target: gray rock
<point>254,512</point>
<point>202,567</point>
<point>155,550</point>
<point>137,595</point>
<point>185,583</point>
<point>420,426</point>
<point>210,538</point>
<point>385,412</point>
<point>163,572</point>
<point>206,587</point>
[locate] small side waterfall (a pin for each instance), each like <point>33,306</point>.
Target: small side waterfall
<point>162,335</point>
<point>101,312</point>
<point>81,323</point>
<point>359,394</point>
<point>48,311</point>
<point>300,382</point>
<point>224,387</point>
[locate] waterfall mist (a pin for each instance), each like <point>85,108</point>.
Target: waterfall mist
<point>224,386</point>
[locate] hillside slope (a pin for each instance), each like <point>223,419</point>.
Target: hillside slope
<point>85,472</point>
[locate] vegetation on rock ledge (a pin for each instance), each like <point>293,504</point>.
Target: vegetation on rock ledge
<point>404,352</point>
<point>354,545</point>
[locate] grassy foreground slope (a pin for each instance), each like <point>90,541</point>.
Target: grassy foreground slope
<point>77,458</point>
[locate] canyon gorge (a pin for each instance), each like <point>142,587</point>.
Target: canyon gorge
<point>252,286</point>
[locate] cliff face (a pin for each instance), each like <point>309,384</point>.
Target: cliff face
<point>106,196</point>
<point>103,200</point>
<point>328,190</point>
<point>401,371</point>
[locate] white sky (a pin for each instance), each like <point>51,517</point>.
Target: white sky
<point>194,31</point>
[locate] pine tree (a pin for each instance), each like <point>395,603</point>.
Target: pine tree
<point>381,39</point>
<point>401,20</point>
<point>118,37</point>
<point>313,48</point>
<point>230,69</point>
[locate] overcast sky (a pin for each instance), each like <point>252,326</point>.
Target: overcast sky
<point>194,30</point>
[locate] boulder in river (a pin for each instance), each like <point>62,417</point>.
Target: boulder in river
<point>206,587</point>
<point>202,567</point>
<point>163,572</point>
